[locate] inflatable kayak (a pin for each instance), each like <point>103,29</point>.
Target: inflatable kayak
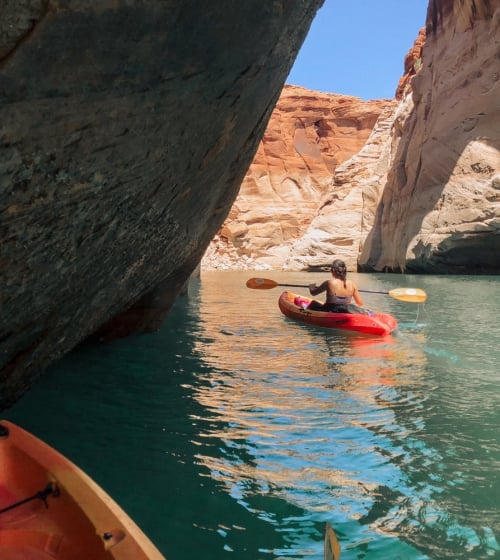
<point>295,307</point>
<point>49,508</point>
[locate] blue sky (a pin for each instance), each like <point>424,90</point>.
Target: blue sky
<point>358,48</point>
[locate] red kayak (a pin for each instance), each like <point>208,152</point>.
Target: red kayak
<point>295,307</point>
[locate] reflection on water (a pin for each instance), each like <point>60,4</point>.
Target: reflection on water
<point>331,423</point>
<point>235,431</point>
<point>306,430</point>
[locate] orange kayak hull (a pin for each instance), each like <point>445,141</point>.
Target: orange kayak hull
<point>50,509</point>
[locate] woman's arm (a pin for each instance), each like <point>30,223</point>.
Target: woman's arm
<point>357,298</point>
<point>315,290</point>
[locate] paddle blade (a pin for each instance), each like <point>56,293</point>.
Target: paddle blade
<point>261,283</point>
<point>332,546</point>
<point>413,295</point>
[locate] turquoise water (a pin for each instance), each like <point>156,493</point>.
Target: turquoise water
<point>236,433</point>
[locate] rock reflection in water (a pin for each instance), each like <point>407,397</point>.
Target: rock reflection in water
<point>300,422</point>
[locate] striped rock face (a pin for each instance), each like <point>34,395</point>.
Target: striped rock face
<point>308,136</point>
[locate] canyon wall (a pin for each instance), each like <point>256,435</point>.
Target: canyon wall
<point>126,128</point>
<point>422,195</point>
<point>440,208</point>
<point>309,135</point>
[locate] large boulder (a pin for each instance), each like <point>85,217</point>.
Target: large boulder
<point>126,129</point>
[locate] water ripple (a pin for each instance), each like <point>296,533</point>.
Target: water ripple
<point>253,431</point>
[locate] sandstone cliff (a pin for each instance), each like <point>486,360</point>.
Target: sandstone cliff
<point>440,209</point>
<point>423,194</point>
<point>126,129</point>
<point>347,214</point>
<point>309,134</point>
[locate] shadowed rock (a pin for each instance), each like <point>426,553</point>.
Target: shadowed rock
<point>126,129</point>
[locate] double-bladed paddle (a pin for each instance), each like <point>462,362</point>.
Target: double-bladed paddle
<point>413,295</point>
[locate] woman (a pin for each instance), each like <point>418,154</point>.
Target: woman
<point>339,292</point>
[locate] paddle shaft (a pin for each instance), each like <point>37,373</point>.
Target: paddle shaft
<point>413,295</point>
<point>307,286</point>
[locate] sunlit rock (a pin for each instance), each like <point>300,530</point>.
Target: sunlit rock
<point>440,208</point>
<point>309,135</point>
<point>423,194</point>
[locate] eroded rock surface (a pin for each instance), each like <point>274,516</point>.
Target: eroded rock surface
<point>309,134</point>
<point>423,194</point>
<point>440,209</point>
<point>126,129</point>
<point>347,214</point>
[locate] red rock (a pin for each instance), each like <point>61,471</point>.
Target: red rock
<point>309,134</point>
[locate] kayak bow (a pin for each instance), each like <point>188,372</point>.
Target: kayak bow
<point>49,508</point>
